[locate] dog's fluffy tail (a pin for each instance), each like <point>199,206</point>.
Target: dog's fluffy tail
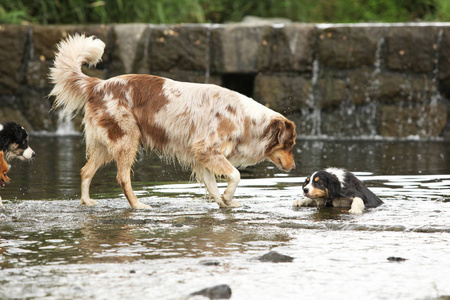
<point>70,82</point>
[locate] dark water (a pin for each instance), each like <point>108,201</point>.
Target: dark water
<point>53,248</point>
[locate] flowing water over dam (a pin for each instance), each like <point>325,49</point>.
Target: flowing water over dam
<point>51,247</point>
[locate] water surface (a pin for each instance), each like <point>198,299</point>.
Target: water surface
<point>53,248</point>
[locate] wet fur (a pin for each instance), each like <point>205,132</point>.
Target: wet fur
<point>338,188</point>
<point>4,168</point>
<point>207,128</point>
<point>14,141</point>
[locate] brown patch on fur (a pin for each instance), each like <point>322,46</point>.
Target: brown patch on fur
<point>149,99</point>
<point>192,129</point>
<point>99,116</point>
<point>211,159</point>
<point>4,168</point>
<point>226,127</point>
<point>318,193</point>
<point>246,137</point>
<point>231,109</point>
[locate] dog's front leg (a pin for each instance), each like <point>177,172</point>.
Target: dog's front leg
<point>211,185</point>
<point>124,162</point>
<point>357,206</point>
<point>304,202</point>
<point>233,181</point>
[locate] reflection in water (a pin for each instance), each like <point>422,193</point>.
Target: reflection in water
<point>55,172</point>
<point>51,246</point>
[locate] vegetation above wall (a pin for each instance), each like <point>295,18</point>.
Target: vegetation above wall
<point>219,11</point>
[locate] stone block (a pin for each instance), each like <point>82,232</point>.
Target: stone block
<point>398,87</point>
<point>288,48</point>
<point>37,74</point>
<point>190,76</point>
<point>285,93</point>
<point>45,39</point>
<point>364,85</point>
<point>13,41</point>
<point>400,121</point>
<point>8,113</point>
<point>444,54</point>
<point>349,120</point>
<point>412,48</point>
<point>331,91</point>
<point>349,46</point>
<point>181,47</point>
<point>36,108</point>
<point>235,48</point>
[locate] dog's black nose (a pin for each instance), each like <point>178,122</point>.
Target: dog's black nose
<point>33,155</point>
<point>305,190</point>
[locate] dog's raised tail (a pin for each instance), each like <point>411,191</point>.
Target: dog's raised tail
<point>70,82</point>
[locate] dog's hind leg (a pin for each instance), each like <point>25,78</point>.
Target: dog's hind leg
<point>97,158</point>
<point>124,159</point>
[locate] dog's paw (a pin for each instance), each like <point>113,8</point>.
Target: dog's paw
<point>233,204</point>
<point>356,211</point>
<point>221,204</point>
<point>140,205</point>
<point>357,206</point>
<point>300,203</point>
<point>89,202</point>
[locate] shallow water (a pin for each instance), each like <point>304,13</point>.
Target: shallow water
<point>53,248</point>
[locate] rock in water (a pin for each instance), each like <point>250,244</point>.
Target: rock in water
<point>222,291</point>
<point>396,259</point>
<point>275,257</point>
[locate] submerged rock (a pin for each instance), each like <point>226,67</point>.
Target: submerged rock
<point>210,263</point>
<point>275,257</point>
<point>222,291</point>
<point>397,259</point>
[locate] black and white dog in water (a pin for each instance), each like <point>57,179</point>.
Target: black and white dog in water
<point>14,141</point>
<point>337,187</point>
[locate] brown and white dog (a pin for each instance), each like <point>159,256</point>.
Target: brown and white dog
<point>4,168</point>
<point>205,127</point>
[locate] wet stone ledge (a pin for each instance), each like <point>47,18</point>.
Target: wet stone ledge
<point>390,80</point>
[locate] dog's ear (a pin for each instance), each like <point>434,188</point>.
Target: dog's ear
<point>273,134</point>
<point>4,142</point>
<point>278,132</point>
<point>334,187</point>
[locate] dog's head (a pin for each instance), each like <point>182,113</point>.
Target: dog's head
<point>322,185</point>
<point>14,141</point>
<point>4,168</point>
<point>281,135</point>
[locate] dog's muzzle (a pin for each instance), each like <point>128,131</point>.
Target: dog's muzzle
<point>28,153</point>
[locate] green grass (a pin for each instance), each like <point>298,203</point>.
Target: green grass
<point>219,11</point>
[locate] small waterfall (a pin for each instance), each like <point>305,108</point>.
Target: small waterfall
<point>373,92</point>
<point>208,53</point>
<point>312,120</point>
<point>65,125</point>
<point>436,96</point>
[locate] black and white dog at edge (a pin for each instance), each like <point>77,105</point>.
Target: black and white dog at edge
<point>336,187</point>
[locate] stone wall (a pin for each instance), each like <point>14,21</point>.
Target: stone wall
<point>389,80</point>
